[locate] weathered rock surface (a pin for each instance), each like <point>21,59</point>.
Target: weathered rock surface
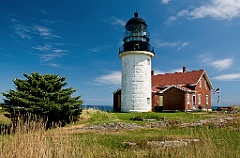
<point>220,122</point>
<point>172,143</point>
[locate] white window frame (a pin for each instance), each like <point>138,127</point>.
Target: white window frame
<point>200,83</point>
<point>207,99</point>
<point>188,98</point>
<point>199,99</point>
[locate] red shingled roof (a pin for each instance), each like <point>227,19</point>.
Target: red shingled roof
<point>177,78</point>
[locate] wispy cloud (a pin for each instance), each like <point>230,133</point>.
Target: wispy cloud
<point>43,48</point>
<point>219,64</point>
<point>167,44</point>
<point>158,72</point>
<point>184,44</point>
<point>217,9</point>
<point>48,53</point>
<point>115,22</point>
<point>179,45</point>
<point>170,71</point>
<point>25,31</point>
<point>222,64</point>
<point>99,48</point>
<point>114,78</point>
<point>38,33</point>
<point>59,50</point>
<point>54,65</point>
<point>165,1</point>
<point>44,32</point>
<point>50,56</point>
<point>176,70</point>
<point>228,77</point>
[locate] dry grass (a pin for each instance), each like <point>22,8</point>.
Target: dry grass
<point>32,140</point>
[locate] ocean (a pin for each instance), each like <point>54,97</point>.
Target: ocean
<point>108,108</point>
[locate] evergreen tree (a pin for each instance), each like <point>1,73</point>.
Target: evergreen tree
<point>43,95</point>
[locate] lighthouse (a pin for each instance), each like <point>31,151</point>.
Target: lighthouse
<point>136,54</point>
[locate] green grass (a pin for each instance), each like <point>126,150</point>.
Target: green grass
<point>179,116</point>
<point>214,142</point>
<point>69,142</point>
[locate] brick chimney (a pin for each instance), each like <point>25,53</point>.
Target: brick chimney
<point>152,72</point>
<point>184,69</point>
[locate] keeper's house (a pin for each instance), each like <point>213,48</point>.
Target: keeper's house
<point>183,91</point>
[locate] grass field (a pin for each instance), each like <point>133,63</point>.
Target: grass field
<point>32,140</point>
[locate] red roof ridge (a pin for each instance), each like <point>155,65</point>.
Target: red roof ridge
<point>177,78</point>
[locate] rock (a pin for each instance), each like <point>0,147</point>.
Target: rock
<point>130,143</point>
<point>219,122</point>
<point>172,143</point>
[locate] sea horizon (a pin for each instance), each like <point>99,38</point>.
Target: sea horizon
<point>108,108</point>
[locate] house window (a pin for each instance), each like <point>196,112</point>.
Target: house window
<point>161,101</point>
<point>188,99</point>
<point>200,83</point>
<point>206,99</point>
<point>199,99</point>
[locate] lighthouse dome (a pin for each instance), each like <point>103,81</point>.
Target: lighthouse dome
<point>136,24</point>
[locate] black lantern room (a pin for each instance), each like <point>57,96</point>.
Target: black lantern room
<point>136,37</point>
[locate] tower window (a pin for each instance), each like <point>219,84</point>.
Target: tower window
<point>148,61</point>
<point>136,46</point>
<point>148,100</point>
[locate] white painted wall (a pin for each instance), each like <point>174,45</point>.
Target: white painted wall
<point>136,81</point>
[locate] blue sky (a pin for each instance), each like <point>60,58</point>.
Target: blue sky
<point>79,39</point>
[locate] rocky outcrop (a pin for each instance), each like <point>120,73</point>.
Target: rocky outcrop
<point>220,122</point>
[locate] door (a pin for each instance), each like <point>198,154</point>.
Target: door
<point>194,101</point>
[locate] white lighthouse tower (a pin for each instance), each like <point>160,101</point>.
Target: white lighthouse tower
<point>136,54</point>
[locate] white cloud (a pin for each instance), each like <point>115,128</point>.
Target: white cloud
<point>158,72</point>
<point>218,64</point>
<point>29,31</point>
<point>228,77</point>
<point>118,21</point>
<point>184,44</point>
<point>114,78</point>
<point>115,22</point>
<point>165,1</point>
<point>49,53</point>
<point>222,64</point>
<point>44,48</point>
<point>176,70</point>
<point>54,65</point>
<point>217,9</point>
<point>50,56</point>
<point>99,48</point>
<point>205,59</point>
<point>59,50</point>
<point>44,32</point>
<point>167,44</point>
<point>23,31</point>
<point>180,45</point>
